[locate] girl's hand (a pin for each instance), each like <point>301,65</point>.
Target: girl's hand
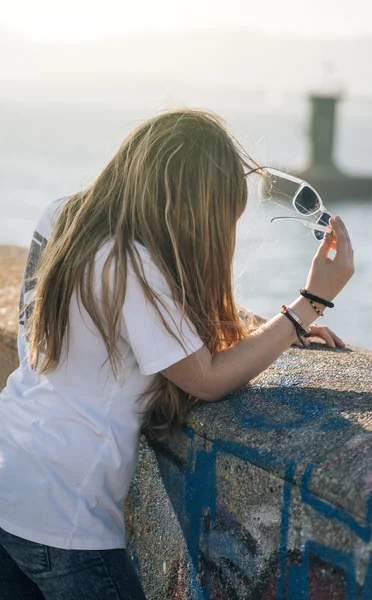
<point>323,333</point>
<point>327,277</point>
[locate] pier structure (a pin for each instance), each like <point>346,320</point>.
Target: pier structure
<point>322,171</point>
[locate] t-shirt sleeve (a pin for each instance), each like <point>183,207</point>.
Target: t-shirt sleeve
<point>153,346</point>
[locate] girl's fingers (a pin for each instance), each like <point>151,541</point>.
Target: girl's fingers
<point>338,341</point>
<point>328,242</point>
<point>344,229</point>
<point>332,340</point>
<point>351,251</point>
<point>327,335</point>
<point>324,333</point>
<point>334,243</point>
<point>347,237</point>
<point>343,246</point>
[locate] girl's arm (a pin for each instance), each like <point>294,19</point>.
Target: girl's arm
<point>212,377</point>
<point>319,331</point>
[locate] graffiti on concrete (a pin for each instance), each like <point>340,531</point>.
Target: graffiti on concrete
<point>231,560</point>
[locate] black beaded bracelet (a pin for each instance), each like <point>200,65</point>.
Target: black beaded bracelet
<point>309,296</point>
<point>319,312</point>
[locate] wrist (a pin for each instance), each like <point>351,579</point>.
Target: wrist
<point>302,307</point>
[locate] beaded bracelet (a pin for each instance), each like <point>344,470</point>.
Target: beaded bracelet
<point>316,308</point>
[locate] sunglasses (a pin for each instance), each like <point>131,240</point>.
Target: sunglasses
<point>305,201</point>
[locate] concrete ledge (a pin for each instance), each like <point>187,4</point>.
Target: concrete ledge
<point>266,494</point>
<point>12,263</point>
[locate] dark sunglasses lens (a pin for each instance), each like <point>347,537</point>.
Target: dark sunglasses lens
<point>307,201</point>
<point>323,220</point>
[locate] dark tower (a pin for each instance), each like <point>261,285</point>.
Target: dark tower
<point>322,131</point>
<point>322,172</point>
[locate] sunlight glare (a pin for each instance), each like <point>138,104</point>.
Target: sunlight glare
<point>78,20</point>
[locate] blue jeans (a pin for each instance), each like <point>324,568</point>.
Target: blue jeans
<point>32,571</point>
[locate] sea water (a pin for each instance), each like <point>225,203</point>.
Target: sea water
<point>50,150</point>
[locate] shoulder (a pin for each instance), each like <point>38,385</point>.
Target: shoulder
<point>49,217</point>
<point>154,277</point>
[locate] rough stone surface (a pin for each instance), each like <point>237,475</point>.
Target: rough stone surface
<point>12,264</point>
<point>265,495</point>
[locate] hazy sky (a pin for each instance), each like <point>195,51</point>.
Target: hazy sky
<point>72,20</point>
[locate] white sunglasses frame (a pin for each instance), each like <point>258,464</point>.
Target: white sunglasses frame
<point>302,183</point>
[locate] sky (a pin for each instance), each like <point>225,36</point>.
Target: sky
<point>77,20</point>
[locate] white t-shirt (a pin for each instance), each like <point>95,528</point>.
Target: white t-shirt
<point>69,440</point>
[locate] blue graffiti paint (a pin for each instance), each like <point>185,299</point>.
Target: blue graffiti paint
<point>307,408</point>
<point>297,582</point>
<point>367,587</point>
<point>287,488</point>
<point>198,496</point>
<point>299,575</point>
<point>333,512</point>
<point>257,456</point>
<point>201,495</point>
<point>225,548</point>
<point>193,492</point>
<point>343,560</point>
<point>335,424</point>
<point>194,590</point>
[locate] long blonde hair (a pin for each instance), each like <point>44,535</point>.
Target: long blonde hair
<point>177,186</point>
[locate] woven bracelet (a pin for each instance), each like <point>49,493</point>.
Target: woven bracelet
<point>296,322</point>
<point>306,294</point>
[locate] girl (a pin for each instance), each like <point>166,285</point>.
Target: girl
<point>127,319</point>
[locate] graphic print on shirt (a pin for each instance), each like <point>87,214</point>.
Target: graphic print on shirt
<point>29,281</point>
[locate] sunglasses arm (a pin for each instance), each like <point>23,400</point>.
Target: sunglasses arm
<point>283,175</point>
<point>309,224</point>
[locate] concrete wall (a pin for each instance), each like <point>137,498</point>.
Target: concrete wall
<point>264,495</point>
<point>267,494</point>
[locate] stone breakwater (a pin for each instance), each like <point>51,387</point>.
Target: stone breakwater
<point>12,264</point>
<point>265,495</point>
